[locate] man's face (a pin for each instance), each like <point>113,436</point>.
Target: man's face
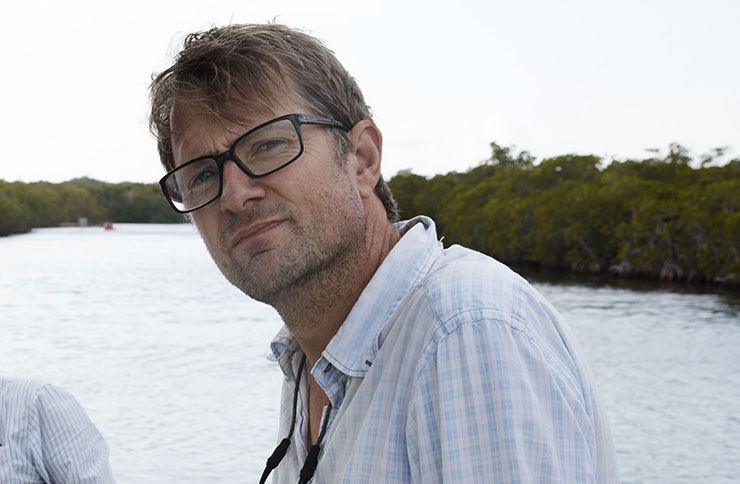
<point>273,234</point>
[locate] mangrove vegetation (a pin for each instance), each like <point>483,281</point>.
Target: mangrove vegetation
<point>667,216</point>
<point>24,206</point>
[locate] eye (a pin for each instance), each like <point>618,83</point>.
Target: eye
<point>269,145</point>
<point>201,178</point>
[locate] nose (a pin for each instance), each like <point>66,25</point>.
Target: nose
<point>238,188</point>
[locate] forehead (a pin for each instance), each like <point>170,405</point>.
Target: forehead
<point>198,130</point>
<point>185,116</point>
<point>240,108</point>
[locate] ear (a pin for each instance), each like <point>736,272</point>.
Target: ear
<point>367,148</point>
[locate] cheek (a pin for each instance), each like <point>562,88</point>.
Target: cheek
<point>207,225</point>
<point>341,200</point>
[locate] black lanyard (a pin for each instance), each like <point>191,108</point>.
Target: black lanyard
<point>312,459</point>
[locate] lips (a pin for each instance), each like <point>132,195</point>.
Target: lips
<point>253,231</point>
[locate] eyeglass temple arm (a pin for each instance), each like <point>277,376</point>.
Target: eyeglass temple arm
<point>310,119</point>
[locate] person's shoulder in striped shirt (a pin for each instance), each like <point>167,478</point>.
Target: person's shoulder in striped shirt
<point>46,437</point>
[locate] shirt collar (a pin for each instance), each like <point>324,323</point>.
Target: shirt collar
<point>352,350</point>
<point>283,346</point>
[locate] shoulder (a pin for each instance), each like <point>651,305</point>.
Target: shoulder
<point>37,403</point>
<point>19,388</point>
<point>59,441</point>
<point>18,396</point>
<point>465,282</point>
<point>31,393</point>
<point>468,293</point>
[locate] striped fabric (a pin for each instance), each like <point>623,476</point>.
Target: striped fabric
<point>449,368</point>
<point>46,437</point>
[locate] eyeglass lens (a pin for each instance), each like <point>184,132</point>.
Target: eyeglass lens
<point>261,151</point>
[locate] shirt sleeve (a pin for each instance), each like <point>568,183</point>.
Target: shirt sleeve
<point>491,406</point>
<point>70,449</point>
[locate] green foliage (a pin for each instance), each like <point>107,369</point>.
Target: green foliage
<point>15,215</point>
<point>666,216</point>
<point>407,186</point>
<point>27,205</point>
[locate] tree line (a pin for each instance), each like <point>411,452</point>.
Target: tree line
<point>24,206</point>
<point>668,216</point>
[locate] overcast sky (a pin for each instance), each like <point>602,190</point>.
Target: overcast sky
<point>444,79</point>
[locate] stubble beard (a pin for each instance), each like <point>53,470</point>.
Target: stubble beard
<point>312,262</point>
<point>301,267</point>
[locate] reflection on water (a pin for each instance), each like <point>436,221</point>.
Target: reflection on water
<point>170,360</point>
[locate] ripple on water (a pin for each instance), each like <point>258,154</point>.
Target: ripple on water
<point>171,361</point>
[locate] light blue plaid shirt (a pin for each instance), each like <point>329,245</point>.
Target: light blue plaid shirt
<point>449,368</point>
<point>46,437</point>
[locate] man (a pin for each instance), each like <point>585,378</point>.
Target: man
<point>404,362</point>
<point>46,437</point>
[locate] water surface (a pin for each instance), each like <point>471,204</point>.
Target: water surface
<point>171,361</point>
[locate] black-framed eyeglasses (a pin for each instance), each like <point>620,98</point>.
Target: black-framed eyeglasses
<point>259,152</point>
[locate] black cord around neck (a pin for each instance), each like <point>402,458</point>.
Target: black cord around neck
<point>312,459</point>
<point>279,453</point>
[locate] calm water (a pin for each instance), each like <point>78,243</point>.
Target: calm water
<point>170,360</point>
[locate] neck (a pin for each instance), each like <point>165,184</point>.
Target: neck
<point>315,309</point>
